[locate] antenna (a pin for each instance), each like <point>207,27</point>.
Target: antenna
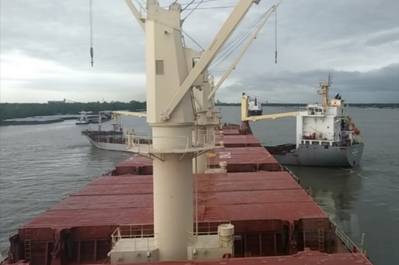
<point>91,32</point>
<point>329,81</point>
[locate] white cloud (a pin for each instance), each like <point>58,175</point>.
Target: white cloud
<point>46,80</point>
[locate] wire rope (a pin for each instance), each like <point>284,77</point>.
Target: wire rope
<point>91,32</point>
<point>191,11</point>
<point>275,36</point>
<point>234,44</point>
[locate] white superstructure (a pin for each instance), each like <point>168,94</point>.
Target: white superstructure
<point>325,134</point>
<point>326,123</point>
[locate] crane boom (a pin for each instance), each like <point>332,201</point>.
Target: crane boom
<point>248,43</point>
<point>135,13</point>
<point>224,33</point>
<point>129,113</point>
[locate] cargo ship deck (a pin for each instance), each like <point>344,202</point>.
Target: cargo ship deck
<point>276,221</point>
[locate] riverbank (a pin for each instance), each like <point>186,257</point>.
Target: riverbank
<point>25,110</point>
<point>37,120</point>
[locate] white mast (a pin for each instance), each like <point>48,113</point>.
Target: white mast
<point>324,91</point>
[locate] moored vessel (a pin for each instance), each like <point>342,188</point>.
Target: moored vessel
<point>116,138</point>
<point>87,117</point>
<point>325,136</point>
<point>112,140</point>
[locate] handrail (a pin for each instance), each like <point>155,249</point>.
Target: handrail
<point>348,242</point>
<point>145,144</point>
<point>131,231</point>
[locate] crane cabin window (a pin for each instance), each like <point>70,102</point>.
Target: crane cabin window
<point>159,67</point>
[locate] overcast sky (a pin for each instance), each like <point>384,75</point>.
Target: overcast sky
<point>45,50</point>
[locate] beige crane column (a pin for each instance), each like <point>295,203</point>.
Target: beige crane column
<point>166,68</point>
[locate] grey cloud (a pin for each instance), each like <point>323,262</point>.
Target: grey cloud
<point>59,31</point>
<point>385,37</point>
<point>351,38</point>
<point>381,85</point>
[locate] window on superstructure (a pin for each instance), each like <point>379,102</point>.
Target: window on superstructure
<point>159,69</point>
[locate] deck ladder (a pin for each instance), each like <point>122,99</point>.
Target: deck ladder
<point>28,245</point>
<point>321,239</point>
<point>28,249</point>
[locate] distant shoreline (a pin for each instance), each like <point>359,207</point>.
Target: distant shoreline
<point>9,111</point>
<point>35,120</point>
<point>25,110</point>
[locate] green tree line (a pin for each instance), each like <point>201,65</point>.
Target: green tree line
<point>23,110</point>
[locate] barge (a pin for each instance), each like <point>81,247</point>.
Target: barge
<point>113,140</point>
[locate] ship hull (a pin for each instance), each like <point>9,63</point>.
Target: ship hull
<point>255,112</point>
<point>82,123</point>
<point>109,146</point>
<point>319,155</point>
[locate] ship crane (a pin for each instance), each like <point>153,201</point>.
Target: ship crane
<point>204,97</point>
<point>172,71</point>
<point>129,113</point>
<point>214,87</point>
<point>209,54</point>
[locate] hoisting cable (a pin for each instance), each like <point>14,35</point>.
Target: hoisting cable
<point>192,10</point>
<point>238,41</point>
<point>230,49</point>
<point>211,7</point>
<point>187,5</point>
<point>141,5</point>
<point>193,40</point>
<point>242,50</point>
<point>234,43</point>
<point>91,32</point>
<point>275,35</point>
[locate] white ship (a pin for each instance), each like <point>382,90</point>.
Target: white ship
<point>112,140</point>
<point>115,139</point>
<point>325,135</point>
<point>87,117</point>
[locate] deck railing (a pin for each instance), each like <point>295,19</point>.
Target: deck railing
<point>145,144</point>
<point>347,241</point>
<point>131,231</point>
